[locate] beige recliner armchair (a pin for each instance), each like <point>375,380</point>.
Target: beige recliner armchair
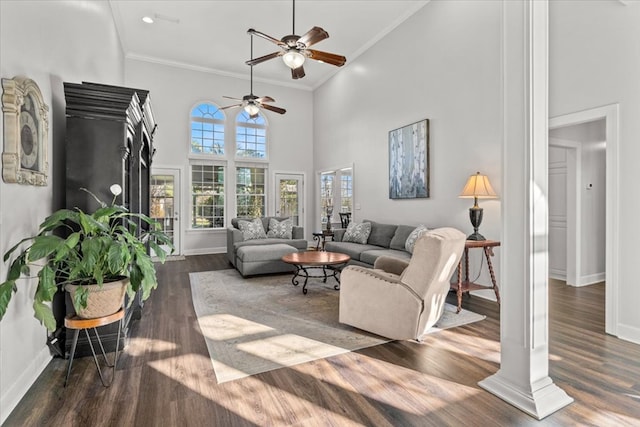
<point>399,299</point>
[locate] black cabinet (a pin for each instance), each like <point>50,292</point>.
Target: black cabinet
<point>109,140</point>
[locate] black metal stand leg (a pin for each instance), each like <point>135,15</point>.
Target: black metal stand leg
<point>306,278</point>
<point>76,332</point>
<point>324,272</point>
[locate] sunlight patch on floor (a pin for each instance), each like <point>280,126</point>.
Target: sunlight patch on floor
<point>139,346</point>
<point>285,346</point>
<point>223,327</point>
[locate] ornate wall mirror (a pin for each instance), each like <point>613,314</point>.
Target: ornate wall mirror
<point>26,130</point>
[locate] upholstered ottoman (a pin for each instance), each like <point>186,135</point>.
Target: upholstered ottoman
<point>263,259</point>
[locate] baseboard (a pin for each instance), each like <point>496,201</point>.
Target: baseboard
<point>206,251</point>
<point>629,333</point>
<point>591,279</point>
<point>558,275</point>
<point>487,294</point>
<point>11,397</point>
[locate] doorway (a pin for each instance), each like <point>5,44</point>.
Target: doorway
<point>289,194</point>
<point>609,117</point>
<point>165,203</point>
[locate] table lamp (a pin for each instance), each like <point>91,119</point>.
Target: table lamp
<point>478,187</point>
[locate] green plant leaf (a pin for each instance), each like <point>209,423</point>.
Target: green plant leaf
<point>72,240</point>
<point>80,298</point>
<point>46,285</point>
<point>116,257</point>
<point>43,313</point>
<point>6,292</point>
<point>43,246</point>
<point>58,218</point>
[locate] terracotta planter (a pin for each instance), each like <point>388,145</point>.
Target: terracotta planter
<point>103,300</point>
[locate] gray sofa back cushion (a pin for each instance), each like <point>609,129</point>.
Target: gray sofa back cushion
<point>381,234</point>
<point>399,239</point>
<point>265,221</point>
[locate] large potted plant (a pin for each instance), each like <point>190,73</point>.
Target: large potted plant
<point>86,252</point>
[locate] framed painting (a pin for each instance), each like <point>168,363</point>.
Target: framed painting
<point>409,161</point>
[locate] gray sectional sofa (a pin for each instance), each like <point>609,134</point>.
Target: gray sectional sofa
<point>384,239</point>
<point>262,256</point>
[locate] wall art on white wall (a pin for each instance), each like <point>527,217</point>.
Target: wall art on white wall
<point>26,128</point>
<point>409,161</point>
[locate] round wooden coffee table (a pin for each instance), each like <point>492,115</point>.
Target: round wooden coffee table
<point>303,261</point>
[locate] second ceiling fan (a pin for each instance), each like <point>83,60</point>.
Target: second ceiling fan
<point>295,49</point>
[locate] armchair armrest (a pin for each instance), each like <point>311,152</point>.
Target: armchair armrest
<point>233,236</point>
<point>390,264</point>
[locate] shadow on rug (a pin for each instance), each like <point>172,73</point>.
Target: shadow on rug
<point>259,324</point>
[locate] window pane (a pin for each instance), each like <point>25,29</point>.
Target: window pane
<point>251,138</point>
<point>207,130</point>
<point>250,192</point>
<point>207,196</point>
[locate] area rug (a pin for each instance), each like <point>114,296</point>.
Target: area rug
<point>259,324</point>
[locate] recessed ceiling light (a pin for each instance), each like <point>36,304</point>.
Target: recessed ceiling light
<point>147,19</point>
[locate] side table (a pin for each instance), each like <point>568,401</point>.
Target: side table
<point>461,286</point>
<point>321,237</point>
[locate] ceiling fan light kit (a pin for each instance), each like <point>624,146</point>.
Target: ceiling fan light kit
<point>293,59</point>
<point>295,49</point>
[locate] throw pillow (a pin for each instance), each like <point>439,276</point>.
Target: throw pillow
<point>357,232</point>
<point>280,229</point>
<point>415,234</point>
<point>252,230</point>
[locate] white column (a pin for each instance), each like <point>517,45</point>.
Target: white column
<point>523,379</point>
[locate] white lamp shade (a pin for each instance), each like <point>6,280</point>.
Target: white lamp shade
<point>251,109</point>
<point>478,186</point>
<point>293,59</point>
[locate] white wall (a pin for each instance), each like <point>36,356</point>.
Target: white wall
<point>175,91</point>
<point>49,42</point>
<point>595,61</point>
<point>443,64</point>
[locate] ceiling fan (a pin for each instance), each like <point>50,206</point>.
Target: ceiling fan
<point>295,49</point>
<point>251,103</point>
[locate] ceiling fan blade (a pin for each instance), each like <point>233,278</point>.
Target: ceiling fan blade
<point>231,97</point>
<point>329,58</point>
<point>274,109</point>
<point>297,73</point>
<point>231,106</point>
<point>267,37</point>
<point>313,36</point>
<point>265,99</point>
<point>256,61</point>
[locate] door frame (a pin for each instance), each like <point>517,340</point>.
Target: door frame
<point>610,113</point>
<point>275,191</point>
<point>177,205</point>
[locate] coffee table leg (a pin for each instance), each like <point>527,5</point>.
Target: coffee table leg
<point>294,280</point>
<point>306,277</point>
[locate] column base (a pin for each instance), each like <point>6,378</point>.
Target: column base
<point>542,399</point>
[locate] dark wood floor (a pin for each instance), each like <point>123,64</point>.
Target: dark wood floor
<point>165,376</point>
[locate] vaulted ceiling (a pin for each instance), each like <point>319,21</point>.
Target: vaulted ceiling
<point>212,35</point>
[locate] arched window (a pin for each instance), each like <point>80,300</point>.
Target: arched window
<point>251,136</point>
<point>207,130</point>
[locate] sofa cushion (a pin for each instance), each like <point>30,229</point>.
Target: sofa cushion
<point>400,237</point>
<point>296,243</point>
<point>254,253</point>
<point>415,234</point>
<point>265,221</point>
<point>370,256</point>
<point>280,229</point>
<point>357,232</point>
<point>352,249</point>
<point>252,229</point>
<point>381,234</point>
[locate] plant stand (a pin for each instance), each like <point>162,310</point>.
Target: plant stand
<point>76,323</point>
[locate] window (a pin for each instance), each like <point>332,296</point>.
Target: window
<point>346,190</point>
<point>207,130</point>
<point>326,195</point>
<point>207,196</point>
<point>250,191</point>
<point>336,193</point>
<point>251,136</point>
